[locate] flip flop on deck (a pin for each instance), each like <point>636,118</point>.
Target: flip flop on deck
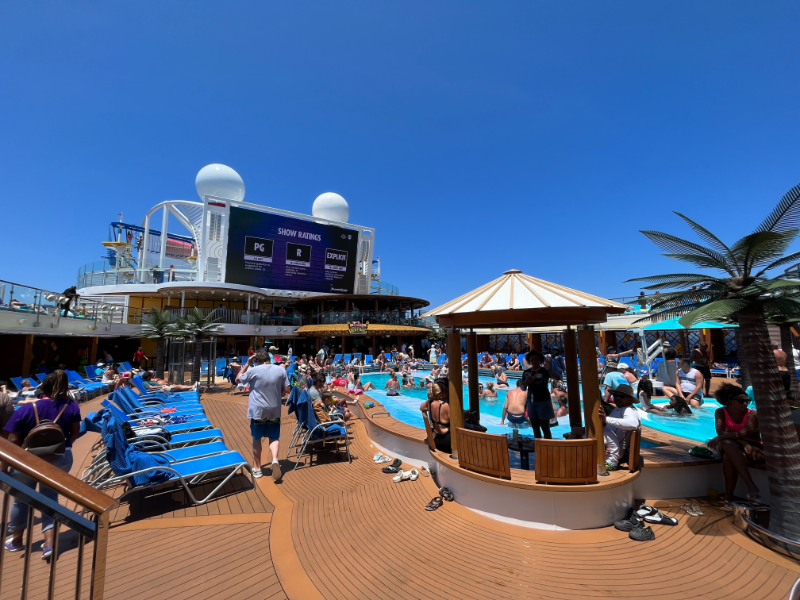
<point>434,504</point>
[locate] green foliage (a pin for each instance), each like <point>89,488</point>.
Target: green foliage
<point>158,325</point>
<point>196,325</point>
<point>743,269</point>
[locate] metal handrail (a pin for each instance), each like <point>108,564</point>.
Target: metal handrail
<point>90,500</point>
<point>38,305</point>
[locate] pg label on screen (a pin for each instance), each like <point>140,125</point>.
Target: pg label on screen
<point>257,249</point>
<point>336,260</point>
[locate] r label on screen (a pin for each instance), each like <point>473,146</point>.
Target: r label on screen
<point>298,255</point>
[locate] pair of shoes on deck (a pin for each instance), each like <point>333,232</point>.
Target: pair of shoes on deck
<point>635,523</point>
<point>411,475</point>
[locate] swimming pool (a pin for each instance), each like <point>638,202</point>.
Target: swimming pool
<point>699,426</point>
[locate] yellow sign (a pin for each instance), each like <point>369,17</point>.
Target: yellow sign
<point>357,328</point>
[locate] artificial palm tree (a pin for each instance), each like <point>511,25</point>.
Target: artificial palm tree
<point>158,326</point>
<point>198,327</point>
<point>743,291</point>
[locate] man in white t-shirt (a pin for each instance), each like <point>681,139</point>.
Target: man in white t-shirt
<point>616,425</point>
<point>268,383</point>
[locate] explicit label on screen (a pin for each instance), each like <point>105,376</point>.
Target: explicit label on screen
<point>335,260</point>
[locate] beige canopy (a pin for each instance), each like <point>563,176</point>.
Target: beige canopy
<point>519,300</point>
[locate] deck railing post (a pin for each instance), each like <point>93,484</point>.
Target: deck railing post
<point>99,557</point>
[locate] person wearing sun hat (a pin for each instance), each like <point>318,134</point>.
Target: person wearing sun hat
<point>618,423</point>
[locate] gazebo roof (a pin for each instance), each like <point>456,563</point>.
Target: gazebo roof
<point>519,300</point>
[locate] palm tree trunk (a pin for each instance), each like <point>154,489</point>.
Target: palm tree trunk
<point>781,447</point>
<point>744,369</point>
<point>198,360</point>
<point>160,344</point>
<point>786,343</point>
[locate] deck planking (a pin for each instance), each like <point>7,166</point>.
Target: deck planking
<point>358,535</point>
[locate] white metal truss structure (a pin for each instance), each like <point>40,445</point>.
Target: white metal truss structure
<point>188,213</point>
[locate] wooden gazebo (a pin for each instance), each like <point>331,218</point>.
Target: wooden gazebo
<point>518,300</point>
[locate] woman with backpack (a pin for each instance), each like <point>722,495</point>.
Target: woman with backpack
<point>46,428</point>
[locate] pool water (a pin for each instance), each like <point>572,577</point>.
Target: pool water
<point>699,426</point>
<point>405,407</point>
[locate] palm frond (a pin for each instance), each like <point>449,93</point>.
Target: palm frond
<point>675,245</point>
<point>788,259</point>
<point>705,235</point>
<point>721,310</point>
<point>788,286</point>
<point>782,310</point>
<point>702,261</point>
<point>669,313</point>
<point>679,299</point>
<point>679,280</point>
<point>786,215</point>
<point>762,248</point>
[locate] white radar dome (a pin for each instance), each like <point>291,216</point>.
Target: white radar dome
<point>220,181</point>
<point>331,206</point>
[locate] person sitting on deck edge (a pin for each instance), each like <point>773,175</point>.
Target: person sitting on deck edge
<point>622,419</point>
<point>438,411</point>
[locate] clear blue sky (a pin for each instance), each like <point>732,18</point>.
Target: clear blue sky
<point>475,136</point>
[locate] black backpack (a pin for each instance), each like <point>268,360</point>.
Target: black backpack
<point>46,438</point>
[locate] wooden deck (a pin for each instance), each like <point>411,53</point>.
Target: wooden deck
<point>340,531</point>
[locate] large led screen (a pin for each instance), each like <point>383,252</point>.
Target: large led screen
<point>273,251</point>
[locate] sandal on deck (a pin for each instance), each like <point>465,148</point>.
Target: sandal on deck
<point>424,471</point>
<point>390,469</point>
<point>385,459</point>
<point>645,510</point>
<point>692,510</point>
<point>446,494</point>
<point>434,504</point>
<point>413,475</point>
<point>399,477</point>
<point>660,519</point>
<point>377,456</point>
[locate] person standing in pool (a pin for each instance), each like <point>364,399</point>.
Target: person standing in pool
<point>514,408</point>
<point>539,407</point>
<point>700,359</point>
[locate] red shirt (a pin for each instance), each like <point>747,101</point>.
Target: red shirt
<point>251,352</point>
<point>138,355</point>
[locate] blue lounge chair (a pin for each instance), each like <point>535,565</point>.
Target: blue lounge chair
<point>40,377</point>
<point>346,359</point>
<point>336,358</point>
<point>172,429</point>
<point>174,396</point>
<point>17,381</point>
<point>129,402</point>
<point>368,360</point>
<point>313,435</point>
<point>126,366</point>
<point>166,470</point>
<point>91,386</point>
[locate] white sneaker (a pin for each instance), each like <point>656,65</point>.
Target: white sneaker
<point>257,473</point>
<point>276,472</point>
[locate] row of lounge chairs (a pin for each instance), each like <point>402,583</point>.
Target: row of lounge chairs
<point>183,455</point>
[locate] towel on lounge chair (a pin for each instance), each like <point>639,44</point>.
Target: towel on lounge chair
<point>124,459</point>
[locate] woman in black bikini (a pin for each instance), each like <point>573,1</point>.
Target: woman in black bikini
<point>438,411</point>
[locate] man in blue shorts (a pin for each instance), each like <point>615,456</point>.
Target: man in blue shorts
<point>268,383</point>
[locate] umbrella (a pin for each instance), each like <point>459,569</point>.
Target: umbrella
<point>673,325</point>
